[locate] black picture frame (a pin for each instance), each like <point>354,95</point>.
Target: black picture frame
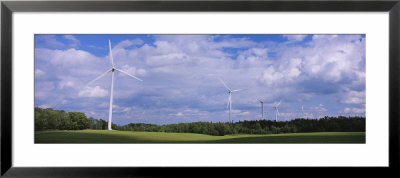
<point>8,7</point>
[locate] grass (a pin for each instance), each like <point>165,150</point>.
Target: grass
<point>104,136</point>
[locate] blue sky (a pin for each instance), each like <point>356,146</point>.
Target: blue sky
<point>323,73</point>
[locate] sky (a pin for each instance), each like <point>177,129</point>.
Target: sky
<point>323,74</point>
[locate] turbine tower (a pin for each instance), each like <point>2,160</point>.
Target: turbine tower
<point>229,105</point>
<point>112,70</point>
<point>262,108</point>
<point>276,111</point>
<point>302,111</point>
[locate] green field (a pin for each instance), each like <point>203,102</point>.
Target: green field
<point>104,136</point>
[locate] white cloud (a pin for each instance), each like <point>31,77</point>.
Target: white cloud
<point>233,43</point>
<point>324,37</point>
<point>239,112</point>
<point>354,110</point>
<point>96,91</point>
<point>167,59</point>
<point>66,83</point>
<point>39,73</point>
<point>65,58</point>
<point>97,47</point>
<point>179,114</point>
<point>331,58</point>
<point>134,71</point>
<point>295,38</point>
<point>128,43</point>
<point>104,104</point>
<point>73,42</point>
<point>318,108</point>
<point>354,97</point>
<point>254,57</point>
<point>44,106</point>
<point>49,41</point>
<point>287,72</point>
<point>126,109</point>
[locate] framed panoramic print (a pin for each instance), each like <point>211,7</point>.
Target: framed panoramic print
<point>111,89</point>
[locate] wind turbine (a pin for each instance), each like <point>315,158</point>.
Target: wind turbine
<point>229,105</point>
<point>112,70</point>
<point>276,111</point>
<point>262,108</point>
<point>302,111</point>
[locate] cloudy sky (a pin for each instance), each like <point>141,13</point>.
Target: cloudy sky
<point>324,74</point>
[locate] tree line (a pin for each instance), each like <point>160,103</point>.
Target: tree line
<point>326,124</point>
<point>49,119</point>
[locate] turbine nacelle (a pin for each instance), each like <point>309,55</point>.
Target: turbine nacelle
<point>260,101</point>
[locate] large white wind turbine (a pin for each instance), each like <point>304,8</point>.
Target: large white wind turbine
<point>229,105</point>
<point>276,111</point>
<point>112,70</point>
<point>262,108</point>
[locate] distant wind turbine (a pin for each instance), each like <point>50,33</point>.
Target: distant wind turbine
<point>276,111</point>
<point>262,108</point>
<point>112,70</point>
<point>229,105</point>
<point>302,111</point>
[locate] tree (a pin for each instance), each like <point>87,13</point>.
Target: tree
<point>79,120</point>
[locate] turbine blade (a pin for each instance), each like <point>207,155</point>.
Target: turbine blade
<point>223,83</point>
<point>126,73</point>
<point>111,56</point>
<point>237,90</point>
<point>99,77</point>
<point>278,103</point>
<point>278,112</point>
